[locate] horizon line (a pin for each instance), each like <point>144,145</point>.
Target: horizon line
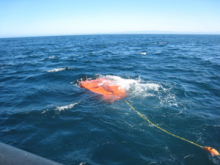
<point>122,33</point>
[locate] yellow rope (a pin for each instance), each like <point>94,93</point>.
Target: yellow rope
<point>145,118</point>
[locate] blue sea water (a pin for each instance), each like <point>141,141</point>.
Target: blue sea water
<point>174,80</point>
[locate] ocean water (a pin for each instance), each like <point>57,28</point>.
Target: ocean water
<point>174,80</point>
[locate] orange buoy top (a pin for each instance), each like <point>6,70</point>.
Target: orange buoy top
<point>212,151</point>
<point>109,89</point>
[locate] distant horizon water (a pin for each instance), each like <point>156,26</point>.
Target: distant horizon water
<point>118,33</point>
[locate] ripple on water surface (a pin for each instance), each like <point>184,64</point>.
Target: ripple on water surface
<point>171,79</point>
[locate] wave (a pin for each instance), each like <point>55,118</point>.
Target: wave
<point>65,107</point>
<point>143,53</point>
<point>51,57</point>
<point>60,69</point>
<point>56,70</point>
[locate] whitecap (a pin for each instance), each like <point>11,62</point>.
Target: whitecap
<point>65,107</point>
<point>56,70</point>
<point>82,163</point>
<point>51,57</point>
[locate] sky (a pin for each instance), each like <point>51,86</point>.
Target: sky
<point>22,18</point>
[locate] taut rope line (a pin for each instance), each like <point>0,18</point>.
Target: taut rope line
<point>209,149</point>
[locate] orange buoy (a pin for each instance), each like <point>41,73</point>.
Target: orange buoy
<point>109,89</point>
<point>212,151</point>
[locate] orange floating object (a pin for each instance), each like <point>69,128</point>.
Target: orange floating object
<point>109,89</point>
<point>212,151</point>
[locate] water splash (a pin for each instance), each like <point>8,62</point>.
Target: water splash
<point>145,90</point>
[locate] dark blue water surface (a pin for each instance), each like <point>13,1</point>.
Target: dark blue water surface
<point>172,79</point>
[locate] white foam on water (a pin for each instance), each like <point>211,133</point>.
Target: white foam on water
<point>66,107</point>
<point>138,88</point>
<point>56,70</point>
<point>60,69</point>
<point>51,57</point>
